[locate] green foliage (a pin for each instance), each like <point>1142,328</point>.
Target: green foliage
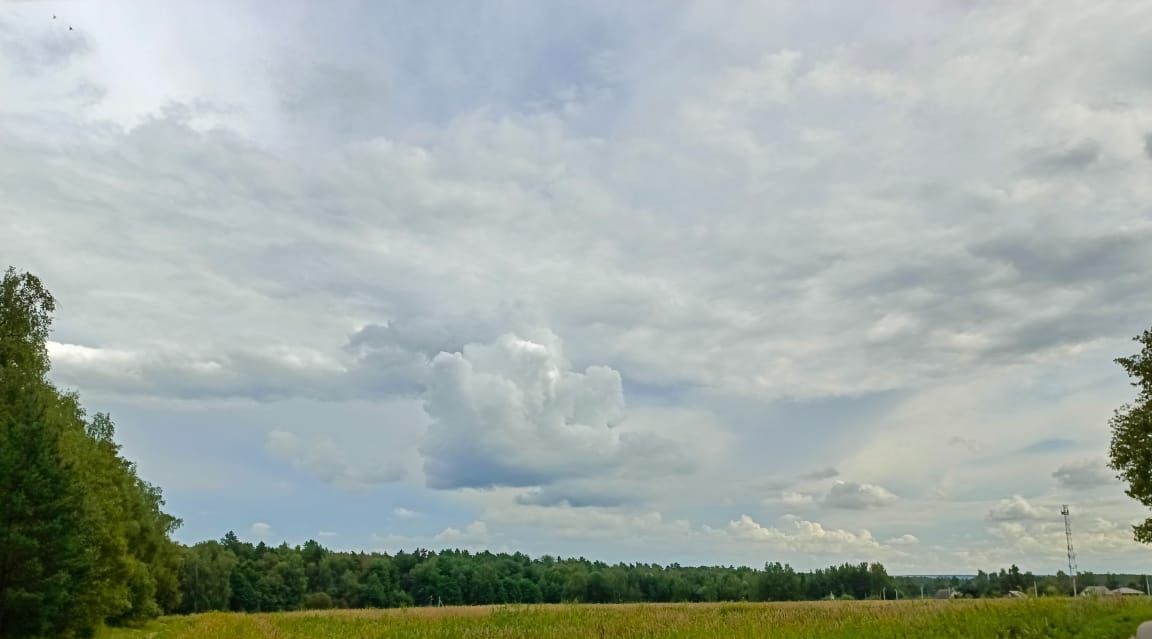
<point>317,601</point>
<point>238,576</point>
<point>82,538</point>
<point>207,577</point>
<point>1131,451</point>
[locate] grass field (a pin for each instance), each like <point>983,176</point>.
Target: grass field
<point>1001,619</point>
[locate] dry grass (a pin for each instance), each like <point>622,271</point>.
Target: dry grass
<point>993,619</point>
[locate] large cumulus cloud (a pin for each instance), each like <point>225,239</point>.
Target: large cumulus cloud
<point>513,413</point>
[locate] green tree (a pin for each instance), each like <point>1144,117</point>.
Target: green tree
<point>207,577</point>
<point>82,538</point>
<point>1131,451</point>
<point>45,565</point>
<point>778,582</point>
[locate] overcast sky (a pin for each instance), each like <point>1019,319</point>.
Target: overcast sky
<point>670,281</point>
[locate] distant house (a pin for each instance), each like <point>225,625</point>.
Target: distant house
<point>1016,594</point>
<point>1101,591</point>
<point>946,593</point>
<point>1095,591</point>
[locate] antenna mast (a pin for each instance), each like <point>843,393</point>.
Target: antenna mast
<point>1071,552</point>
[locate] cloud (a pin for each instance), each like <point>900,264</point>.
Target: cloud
<point>964,442</point>
<point>339,102</point>
<point>327,534</point>
<point>903,540</point>
<point>1075,156</point>
<point>1050,445</point>
<point>827,472</point>
<point>581,495</point>
<point>260,530</point>
<point>772,484</point>
<point>35,51</point>
<point>1083,475</point>
<point>474,534</point>
<point>263,374</point>
<point>513,413</point>
<point>804,536</point>
<point>856,496</point>
<point>401,512</point>
<point>1014,508</point>
<point>796,499</point>
<point>924,266</point>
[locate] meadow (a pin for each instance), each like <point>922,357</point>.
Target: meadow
<point>971,619</point>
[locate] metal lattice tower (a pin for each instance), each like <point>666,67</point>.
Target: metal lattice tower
<point>1072,569</point>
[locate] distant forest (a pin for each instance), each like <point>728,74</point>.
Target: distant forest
<point>84,541</point>
<point>235,575</point>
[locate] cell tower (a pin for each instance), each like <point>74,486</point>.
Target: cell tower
<point>1071,551</point>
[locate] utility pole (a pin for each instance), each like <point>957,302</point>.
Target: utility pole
<point>1146,590</point>
<point>1071,552</point>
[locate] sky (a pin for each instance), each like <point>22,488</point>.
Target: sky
<point>693,282</point>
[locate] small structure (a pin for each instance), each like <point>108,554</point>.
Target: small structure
<point>1095,591</point>
<point>1016,594</point>
<point>946,593</point>
<point>1126,592</point>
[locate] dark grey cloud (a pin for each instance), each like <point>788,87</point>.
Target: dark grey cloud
<point>858,496</point>
<point>581,496</point>
<point>1054,258</point>
<point>1072,157</point>
<point>827,472</point>
<point>1050,445</point>
<point>1083,475</point>
<point>1148,145</point>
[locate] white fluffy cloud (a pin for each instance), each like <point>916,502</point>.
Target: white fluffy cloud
<point>790,498</point>
<point>805,536</point>
<point>474,534</point>
<point>903,540</point>
<point>1014,508</point>
<point>513,413</point>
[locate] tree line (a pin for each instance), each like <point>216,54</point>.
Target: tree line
<point>231,574</point>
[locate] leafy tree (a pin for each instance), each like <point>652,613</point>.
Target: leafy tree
<point>778,583</point>
<point>1131,452</point>
<point>83,540</point>
<point>207,577</point>
<point>45,565</point>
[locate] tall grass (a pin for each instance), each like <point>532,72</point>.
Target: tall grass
<point>976,619</point>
